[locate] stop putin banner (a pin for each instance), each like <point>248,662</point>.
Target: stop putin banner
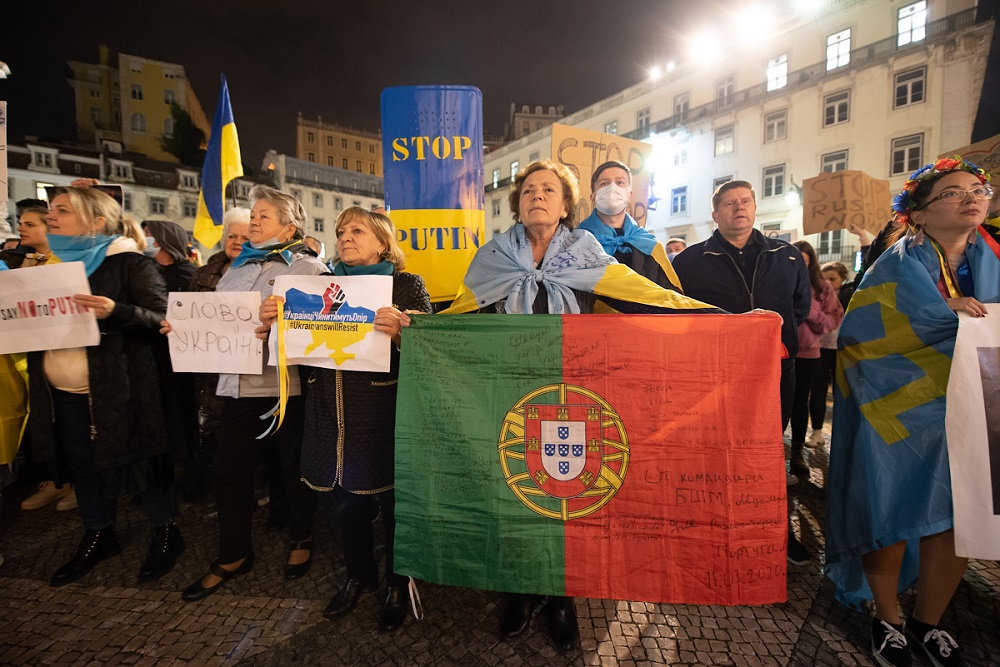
<point>635,457</point>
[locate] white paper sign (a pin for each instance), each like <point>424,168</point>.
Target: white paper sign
<point>37,311</point>
<point>974,439</point>
<point>213,332</point>
<point>329,320</point>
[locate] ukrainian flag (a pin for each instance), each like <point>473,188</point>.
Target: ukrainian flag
<point>222,165</point>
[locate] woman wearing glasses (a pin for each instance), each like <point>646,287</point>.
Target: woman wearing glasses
<point>890,518</point>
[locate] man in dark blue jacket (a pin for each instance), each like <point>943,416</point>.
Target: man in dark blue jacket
<point>739,269</point>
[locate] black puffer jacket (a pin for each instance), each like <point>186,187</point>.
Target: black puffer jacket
<point>350,422</point>
<point>126,382</point>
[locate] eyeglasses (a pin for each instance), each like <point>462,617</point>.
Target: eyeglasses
<point>959,196</point>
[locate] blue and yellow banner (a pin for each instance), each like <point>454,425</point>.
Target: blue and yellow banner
<point>432,143</point>
<point>222,164</point>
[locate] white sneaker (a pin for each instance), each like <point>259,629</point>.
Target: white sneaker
<point>67,502</point>
<point>47,493</point>
<point>816,438</point>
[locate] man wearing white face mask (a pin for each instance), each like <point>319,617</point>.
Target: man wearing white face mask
<point>617,231</point>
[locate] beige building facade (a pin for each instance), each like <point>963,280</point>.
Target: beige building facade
<point>339,147</point>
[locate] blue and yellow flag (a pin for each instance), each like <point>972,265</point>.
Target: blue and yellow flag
<point>889,478</point>
<point>222,165</point>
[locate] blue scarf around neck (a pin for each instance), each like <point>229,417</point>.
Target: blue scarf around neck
<point>633,235</point>
<point>251,254</point>
<point>90,249</point>
<point>380,269</point>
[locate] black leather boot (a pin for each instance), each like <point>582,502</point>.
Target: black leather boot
<point>346,599</point>
<point>393,611</point>
<point>517,614</point>
<point>165,545</point>
<point>562,623</point>
<point>95,546</point>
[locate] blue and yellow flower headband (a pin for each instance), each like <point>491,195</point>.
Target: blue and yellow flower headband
<point>903,204</point>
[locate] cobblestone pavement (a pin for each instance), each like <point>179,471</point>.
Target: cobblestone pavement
<point>261,619</point>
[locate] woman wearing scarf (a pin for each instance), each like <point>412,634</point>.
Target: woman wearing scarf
<point>96,411</point>
<point>350,420</point>
<point>277,221</point>
<point>890,518</point>
<point>617,231</point>
<point>170,241</point>
<point>543,265</point>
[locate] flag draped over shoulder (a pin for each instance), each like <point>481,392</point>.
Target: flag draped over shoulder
<point>504,269</point>
<point>636,457</point>
<point>222,165</point>
<point>889,476</point>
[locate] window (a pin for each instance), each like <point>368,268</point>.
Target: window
<point>329,160</point>
<point>297,194</point>
<point>724,140</point>
<point>189,181</point>
<point>190,208</point>
<point>513,168</point>
<point>42,159</point>
<point>724,88</point>
<point>832,162</point>
<point>338,203</point>
<point>40,189</point>
<point>679,200</point>
<point>357,146</point>
<point>496,177</point>
<point>77,168</point>
<point>329,141</point>
<point>838,49</point>
<point>95,93</point>
<point>911,24</point>
<point>343,163</point>
<point>95,115</point>
<point>496,207</point>
<point>127,201</point>
<point>318,224</point>
<point>168,127</point>
<point>774,180</point>
<point>135,67</point>
<point>836,108</point>
<point>642,119</point>
<point>533,157</point>
<point>357,165</point>
<point>777,72</point>
<point>138,122</point>
<point>371,168</point>
<point>121,171</point>
<point>611,127</point>
<point>775,126</point>
<point>371,148</point>
<point>343,143</point>
<point>356,202</point>
<point>682,103</point>
<point>136,91</point>
<point>909,87</point>
<point>317,200</point>
<point>310,137</point>
<point>525,127</point>
<point>157,205</point>
<point>907,154</point>
<point>830,242</point>
<point>169,97</point>
<point>681,153</point>
<point>721,180</point>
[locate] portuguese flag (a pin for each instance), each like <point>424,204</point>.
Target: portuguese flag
<point>636,457</point>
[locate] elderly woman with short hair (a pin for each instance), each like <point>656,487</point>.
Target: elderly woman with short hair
<point>235,228</point>
<point>275,248</point>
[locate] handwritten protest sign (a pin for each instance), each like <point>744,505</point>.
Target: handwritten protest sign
<point>974,436</point>
<point>843,199</point>
<point>985,153</point>
<point>328,321</point>
<point>37,311</point>
<point>584,150</point>
<point>213,332</point>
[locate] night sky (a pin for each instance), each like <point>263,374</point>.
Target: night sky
<point>332,59</point>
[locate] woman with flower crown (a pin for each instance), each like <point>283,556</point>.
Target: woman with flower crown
<point>890,519</point>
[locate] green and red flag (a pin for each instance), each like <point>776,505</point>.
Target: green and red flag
<point>635,457</point>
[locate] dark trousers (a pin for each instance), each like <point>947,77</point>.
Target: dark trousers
<point>353,513</point>
<point>787,390</point>
<point>236,456</point>
<point>804,370</point>
<point>72,434</point>
<point>821,379</point>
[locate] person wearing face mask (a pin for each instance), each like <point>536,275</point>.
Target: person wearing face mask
<point>170,243</point>
<point>617,231</point>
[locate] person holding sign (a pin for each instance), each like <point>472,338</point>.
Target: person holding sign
<point>96,412</point>
<point>890,520</point>
<point>277,224</point>
<point>350,416</point>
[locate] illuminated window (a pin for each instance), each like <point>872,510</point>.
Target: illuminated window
<point>611,127</point>
<point>682,103</point>
<point>496,177</point>
<point>838,49</point>
<point>777,72</point>
<point>724,89</point>
<point>725,140</point>
<point>513,168</point>
<point>911,25</point>
<point>642,119</point>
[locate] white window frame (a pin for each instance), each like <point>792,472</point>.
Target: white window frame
<point>906,154</point>
<point>911,23</point>
<point>682,104</point>
<point>318,225</point>
<point>777,72</point>
<point>834,161</point>
<point>840,104</point>
<point>725,140</point>
<point>642,119</point>
<point>496,177</point>
<point>838,49</point>
<point>775,126</point>
<point>914,82</point>
<point>681,153</point>
<point>136,91</point>
<point>725,88</point>
<point>773,181</point>
<point>611,127</point>
<point>679,200</point>
<point>158,205</point>
<point>317,200</point>
<point>514,166</point>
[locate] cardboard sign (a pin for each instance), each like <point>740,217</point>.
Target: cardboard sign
<point>843,199</point>
<point>328,321</point>
<point>985,153</point>
<point>37,311</point>
<point>214,332</point>
<point>584,150</point>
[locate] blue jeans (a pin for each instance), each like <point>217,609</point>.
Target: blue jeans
<point>72,434</point>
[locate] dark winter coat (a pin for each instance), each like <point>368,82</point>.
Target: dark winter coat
<point>350,422</point>
<point>128,429</point>
<point>207,277</point>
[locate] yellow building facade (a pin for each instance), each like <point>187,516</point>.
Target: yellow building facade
<point>340,147</point>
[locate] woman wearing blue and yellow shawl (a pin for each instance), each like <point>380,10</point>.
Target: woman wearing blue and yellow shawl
<point>890,517</point>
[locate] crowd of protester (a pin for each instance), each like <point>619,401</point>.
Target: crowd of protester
<point>112,420</point>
